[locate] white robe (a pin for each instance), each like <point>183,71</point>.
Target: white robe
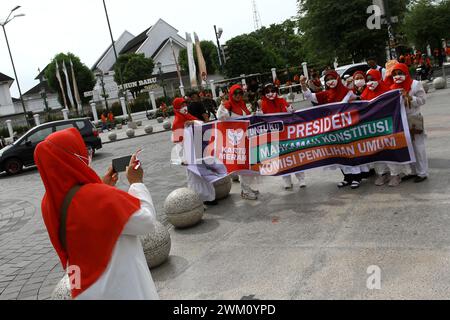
<point>127,276</point>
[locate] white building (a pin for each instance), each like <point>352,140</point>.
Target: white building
<point>6,102</point>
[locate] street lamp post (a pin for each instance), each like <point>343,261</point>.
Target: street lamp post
<point>159,65</point>
<point>218,34</point>
<point>8,20</point>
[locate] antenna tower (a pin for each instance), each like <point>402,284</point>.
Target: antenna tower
<point>256,16</point>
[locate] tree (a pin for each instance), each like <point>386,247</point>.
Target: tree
<point>209,50</point>
<point>427,22</point>
<point>248,55</point>
<point>134,67</point>
<point>85,78</point>
<point>339,29</point>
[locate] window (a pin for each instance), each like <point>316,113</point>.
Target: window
<point>63,126</point>
<point>40,135</point>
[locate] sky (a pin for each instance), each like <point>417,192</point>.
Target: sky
<point>80,27</point>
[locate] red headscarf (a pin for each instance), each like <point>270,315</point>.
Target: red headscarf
<point>361,73</point>
<point>238,108</point>
<point>333,95</point>
<point>97,214</point>
<point>382,88</point>
<point>407,84</point>
<point>180,120</point>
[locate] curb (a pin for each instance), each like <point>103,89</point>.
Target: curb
<point>140,136</point>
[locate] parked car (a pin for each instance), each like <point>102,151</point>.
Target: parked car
<point>21,153</point>
<point>349,70</point>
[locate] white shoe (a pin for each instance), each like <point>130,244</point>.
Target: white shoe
<point>249,195</point>
<point>289,187</point>
<point>302,183</point>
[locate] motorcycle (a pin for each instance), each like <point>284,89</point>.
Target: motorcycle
<point>423,73</point>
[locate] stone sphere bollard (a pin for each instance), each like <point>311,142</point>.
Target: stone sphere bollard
<point>439,83</point>
<point>132,125</point>
<point>184,208</point>
<point>160,119</point>
<point>426,86</point>
<point>157,246</point>
<point>139,123</point>
<point>148,129</point>
<point>167,125</point>
<point>223,188</point>
<point>119,127</point>
<point>130,133</point>
<point>112,136</point>
<point>62,290</point>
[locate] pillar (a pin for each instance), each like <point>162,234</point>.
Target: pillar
<point>274,74</point>
<point>66,114</point>
<point>124,107</point>
<point>36,119</point>
<point>305,70</point>
<point>10,128</point>
<point>213,89</point>
<point>153,100</point>
<point>94,112</point>
<point>183,94</point>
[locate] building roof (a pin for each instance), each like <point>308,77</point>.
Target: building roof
<point>133,45</point>
<point>37,89</point>
<point>5,78</point>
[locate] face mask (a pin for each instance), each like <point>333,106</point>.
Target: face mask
<point>399,79</point>
<point>332,83</point>
<point>360,83</point>
<point>184,110</point>
<point>372,85</point>
<point>271,95</point>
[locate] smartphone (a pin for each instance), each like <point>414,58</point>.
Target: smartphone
<point>121,164</point>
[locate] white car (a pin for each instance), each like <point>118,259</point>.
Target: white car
<point>349,70</point>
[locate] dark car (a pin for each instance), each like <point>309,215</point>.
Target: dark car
<point>21,153</point>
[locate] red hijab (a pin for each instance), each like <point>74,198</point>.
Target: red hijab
<point>407,84</point>
<point>382,88</point>
<point>333,95</point>
<point>97,214</point>
<point>239,108</point>
<point>180,120</point>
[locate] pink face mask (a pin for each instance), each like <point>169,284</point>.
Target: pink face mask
<point>399,79</point>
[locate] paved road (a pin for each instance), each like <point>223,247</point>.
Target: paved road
<point>309,244</point>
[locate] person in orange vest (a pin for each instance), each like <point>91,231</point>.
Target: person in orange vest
<point>104,119</point>
<point>163,109</point>
<point>111,120</point>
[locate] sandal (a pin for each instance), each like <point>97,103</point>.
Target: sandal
<point>355,184</point>
<point>343,184</point>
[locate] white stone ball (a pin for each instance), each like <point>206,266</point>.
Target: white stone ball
<point>157,246</point>
<point>130,133</point>
<point>160,119</point>
<point>119,127</point>
<point>439,83</point>
<point>148,129</point>
<point>62,290</point>
<point>112,136</point>
<point>184,208</point>
<point>139,123</point>
<point>223,188</point>
<point>167,125</point>
<point>426,86</point>
<point>132,125</point>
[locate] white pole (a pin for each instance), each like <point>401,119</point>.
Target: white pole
<point>66,114</point>
<point>80,109</point>
<point>213,89</point>
<point>36,119</point>
<point>124,107</point>
<point>94,112</point>
<point>10,128</point>
<point>274,74</point>
<point>153,100</point>
<point>183,94</point>
<point>305,70</point>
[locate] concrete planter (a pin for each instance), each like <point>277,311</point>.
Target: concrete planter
<point>167,125</point>
<point>157,246</point>
<point>62,290</point>
<point>112,136</point>
<point>184,208</point>
<point>439,83</point>
<point>223,188</point>
<point>160,119</point>
<point>130,133</point>
<point>148,129</point>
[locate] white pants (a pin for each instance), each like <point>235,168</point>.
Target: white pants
<point>420,168</point>
<point>205,190</point>
<point>246,183</point>
<point>288,179</point>
<point>356,170</point>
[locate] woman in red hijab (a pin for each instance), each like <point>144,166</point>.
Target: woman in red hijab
<point>102,225</point>
<point>182,119</point>
<point>359,80</point>
<point>335,90</point>
<point>375,86</point>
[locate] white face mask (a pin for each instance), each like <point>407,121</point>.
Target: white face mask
<point>399,79</point>
<point>184,110</point>
<point>372,85</point>
<point>332,83</point>
<point>271,95</point>
<point>360,83</point>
